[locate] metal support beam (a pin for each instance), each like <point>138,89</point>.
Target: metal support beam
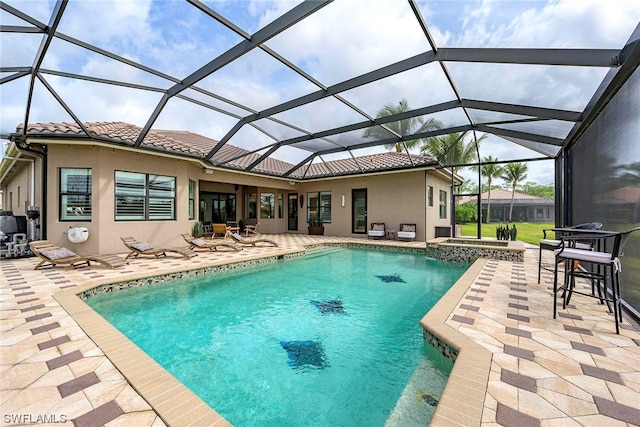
<point>523,110</point>
<point>56,16</point>
<point>522,135</point>
<point>261,36</point>
<point>566,57</point>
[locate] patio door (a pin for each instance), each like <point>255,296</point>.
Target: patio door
<point>292,212</point>
<point>359,211</point>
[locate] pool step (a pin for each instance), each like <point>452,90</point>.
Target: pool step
<point>417,404</point>
<point>314,253</point>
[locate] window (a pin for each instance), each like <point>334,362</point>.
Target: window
<point>319,203</point>
<point>430,195</point>
<point>144,197</point>
<point>267,205</point>
<point>252,200</point>
<point>443,204</point>
<point>192,201</point>
<point>223,207</point>
<point>75,194</point>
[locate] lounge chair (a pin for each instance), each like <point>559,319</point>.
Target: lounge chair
<point>57,255</point>
<point>377,231</point>
<point>407,231</point>
<point>211,245</point>
<point>249,241</point>
<point>144,248</point>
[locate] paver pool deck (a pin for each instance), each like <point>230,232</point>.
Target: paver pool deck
<point>61,363</point>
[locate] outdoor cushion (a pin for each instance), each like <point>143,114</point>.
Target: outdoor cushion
<point>407,234</point>
<point>142,246</point>
<point>60,253</point>
<point>589,256</point>
<point>378,227</point>
<point>556,243</point>
<point>407,227</point>
<point>198,242</point>
<point>236,236</point>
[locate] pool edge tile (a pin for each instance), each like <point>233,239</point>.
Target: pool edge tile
<point>470,356</point>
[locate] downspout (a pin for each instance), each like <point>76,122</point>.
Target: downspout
<point>43,208</point>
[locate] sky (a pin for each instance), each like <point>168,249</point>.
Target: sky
<point>339,42</point>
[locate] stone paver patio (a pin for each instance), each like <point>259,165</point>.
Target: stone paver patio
<point>516,365</point>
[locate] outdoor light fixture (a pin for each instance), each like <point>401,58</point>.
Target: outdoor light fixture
<point>343,200</point>
<point>207,170</point>
<point>292,183</point>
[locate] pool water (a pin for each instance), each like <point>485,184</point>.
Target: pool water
<point>331,338</point>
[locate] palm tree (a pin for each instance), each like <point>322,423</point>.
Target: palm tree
<point>451,149</point>
<point>513,174</point>
<point>490,170</point>
<point>402,127</point>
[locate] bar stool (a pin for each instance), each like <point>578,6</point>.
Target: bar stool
<point>553,244</point>
<point>607,261</point>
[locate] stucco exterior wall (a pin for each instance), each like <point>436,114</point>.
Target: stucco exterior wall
<point>17,193</point>
<point>392,198</point>
<point>439,182</point>
<point>104,231</point>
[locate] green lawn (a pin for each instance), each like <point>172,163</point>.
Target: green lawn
<point>530,232</point>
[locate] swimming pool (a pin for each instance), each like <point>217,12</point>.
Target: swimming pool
<point>330,339</point>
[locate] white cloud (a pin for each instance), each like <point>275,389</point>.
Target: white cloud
<point>339,42</point>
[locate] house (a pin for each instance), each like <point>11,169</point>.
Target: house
<point>526,208</point>
<point>158,189</point>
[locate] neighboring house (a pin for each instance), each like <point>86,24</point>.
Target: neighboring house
<point>526,208</point>
<point>159,189</point>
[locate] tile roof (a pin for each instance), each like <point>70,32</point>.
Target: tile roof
<point>499,194</point>
<point>229,156</point>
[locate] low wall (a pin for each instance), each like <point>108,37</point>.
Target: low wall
<point>469,250</point>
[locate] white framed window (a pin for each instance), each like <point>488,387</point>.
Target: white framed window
<point>192,199</point>
<point>75,194</point>
<point>319,204</point>
<point>443,204</point>
<point>144,197</point>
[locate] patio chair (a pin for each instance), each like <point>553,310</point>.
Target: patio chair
<point>377,231</point>
<point>143,248</point>
<point>219,230</point>
<point>407,231</point>
<point>207,230</point>
<point>606,263</point>
<point>57,255</point>
<point>249,241</point>
<point>211,245</point>
<point>252,229</point>
<point>553,244</point>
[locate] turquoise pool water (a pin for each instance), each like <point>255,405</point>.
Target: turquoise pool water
<point>328,339</point>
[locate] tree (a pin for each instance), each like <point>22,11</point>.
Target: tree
<point>402,127</point>
<point>513,174</point>
<point>490,170</point>
<point>451,149</point>
<point>539,190</point>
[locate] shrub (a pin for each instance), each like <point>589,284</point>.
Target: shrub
<point>466,213</point>
<point>198,229</point>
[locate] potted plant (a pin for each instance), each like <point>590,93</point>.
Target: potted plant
<point>315,226</point>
